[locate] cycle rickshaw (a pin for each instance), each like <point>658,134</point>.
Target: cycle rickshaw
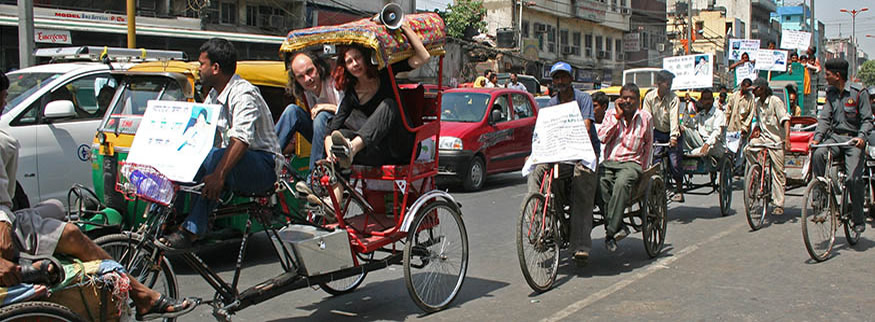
<point>392,215</point>
<point>543,228</point>
<point>719,171</point>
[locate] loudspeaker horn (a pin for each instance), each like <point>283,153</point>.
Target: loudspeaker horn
<point>391,16</point>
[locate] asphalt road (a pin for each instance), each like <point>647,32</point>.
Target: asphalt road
<point>712,268</point>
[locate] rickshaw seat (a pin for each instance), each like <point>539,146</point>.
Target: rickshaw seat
<point>392,171</point>
<point>799,141</point>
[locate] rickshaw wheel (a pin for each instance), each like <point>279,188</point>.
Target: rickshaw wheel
<point>755,206</point>
<point>137,259</point>
<point>38,311</point>
<point>345,285</point>
<point>725,185</point>
<point>436,256</point>
<point>654,216</point>
<point>538,243</point>
<point>818,220</point>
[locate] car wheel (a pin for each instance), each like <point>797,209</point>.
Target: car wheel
<point>475,176</point>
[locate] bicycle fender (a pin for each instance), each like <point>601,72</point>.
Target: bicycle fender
<point>422,200</point>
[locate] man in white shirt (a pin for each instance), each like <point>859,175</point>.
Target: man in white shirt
<point>247,157</point>
<point>514,83</point>
<point>704,135</point>
<point>313,86</point>
<point>492,80</point>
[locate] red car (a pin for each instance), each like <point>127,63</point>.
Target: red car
<point>484,131</point>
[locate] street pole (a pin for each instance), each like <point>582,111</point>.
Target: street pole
<point>690,27</point>
<point>520,29</point>
<point>814,41</point>
<point>25,33</point>
<point>853,39</point>
<point>132,24</point>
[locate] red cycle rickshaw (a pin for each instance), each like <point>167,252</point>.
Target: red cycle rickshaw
<point>392,215</point>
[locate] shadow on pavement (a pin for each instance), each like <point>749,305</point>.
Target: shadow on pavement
<point>387,301</point>
<point>494,181</point>
<point>679,213</point>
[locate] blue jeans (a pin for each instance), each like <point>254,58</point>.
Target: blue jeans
<point>254,173</point>
<point>296,120</point>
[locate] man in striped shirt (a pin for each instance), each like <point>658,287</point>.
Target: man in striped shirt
<point>627,137</point>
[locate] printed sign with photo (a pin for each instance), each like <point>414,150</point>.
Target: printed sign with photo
<point>690,71</point>
<point>773,60</point>
<point>740,46</point>
<point>743,71</point>
<point>175,137</point>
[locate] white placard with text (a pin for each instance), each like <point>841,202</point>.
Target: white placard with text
<point>560,135</point>
<point>690,71</point>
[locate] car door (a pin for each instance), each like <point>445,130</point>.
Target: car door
<point>62,147</point>
<point>498,140</point>
<point>523,123</point>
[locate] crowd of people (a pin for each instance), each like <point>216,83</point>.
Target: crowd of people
<point>626,137</point>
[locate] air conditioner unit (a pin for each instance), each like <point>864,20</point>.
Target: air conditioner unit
<point>621,56</point>
<point>589,52</point>
<point>602,54</point>
<point>567,50</point>
<point>624,11</point>
<point>660,47</point>
<point>540,28</point>
<point>277,21</point>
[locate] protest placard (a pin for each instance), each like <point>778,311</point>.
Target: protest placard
<point>175,137</point>
<point>773,60</point>
<point>740,46</point>
<point>690,71</point>
<point>743,71</point>
<point>795,39</point>
<point>560,135</point>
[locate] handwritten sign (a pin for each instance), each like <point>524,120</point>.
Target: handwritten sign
<point>175,137</point>
<point>560,135</point>
<point>740,46</point>
<point>746,70</point>
<point>774,60</point>
<point>794,39</point>
<point>690,71</point>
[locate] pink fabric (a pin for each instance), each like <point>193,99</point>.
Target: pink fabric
<point>627,142</point>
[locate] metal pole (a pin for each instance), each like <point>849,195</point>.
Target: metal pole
<point>814,41</point>
<point>520,30</point>
<point>132,24</point>
<point>690,27</point>
<point>25,33</point>
<point>854,45</point>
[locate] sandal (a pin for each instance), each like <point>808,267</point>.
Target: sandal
<point>341,150</point>
<point>177,241</point>
<point>42,274</point>
<point>159,309</point>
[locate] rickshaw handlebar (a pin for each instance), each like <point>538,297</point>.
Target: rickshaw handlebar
<point>766,145</point>
<point>827,145</point>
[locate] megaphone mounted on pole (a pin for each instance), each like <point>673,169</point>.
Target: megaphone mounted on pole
<point>391,16</point>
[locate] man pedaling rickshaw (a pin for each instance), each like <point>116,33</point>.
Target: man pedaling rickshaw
<point>772,127</point>
<point>584,180</point>
<point>846,116</point>
<point>35,232</point>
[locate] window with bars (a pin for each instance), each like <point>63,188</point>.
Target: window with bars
<point>228,13</point>
<point>619,47</point>
<point>525,29</point>
<point>587,41</point>
<point>252,16</point>
<point>551,39</point>
<point>575,43</point>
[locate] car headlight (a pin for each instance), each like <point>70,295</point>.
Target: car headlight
<point>450,143</point>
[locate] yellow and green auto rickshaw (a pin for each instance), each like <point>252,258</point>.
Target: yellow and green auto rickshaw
<point>167,80</point>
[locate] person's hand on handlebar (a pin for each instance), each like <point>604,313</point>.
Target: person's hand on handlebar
<point>858,142</point>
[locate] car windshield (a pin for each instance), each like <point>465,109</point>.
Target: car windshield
<point>130,104</point>
<point>22,85</point>
<point>463,107</point>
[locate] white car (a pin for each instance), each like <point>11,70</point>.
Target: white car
<point>54,110</point>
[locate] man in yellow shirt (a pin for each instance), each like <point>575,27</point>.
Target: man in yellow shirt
<point>662,104</point>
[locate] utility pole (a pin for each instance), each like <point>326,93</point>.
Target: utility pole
<point>25,33</point>
<point>813,22</point>
<point>690,27</point>
<point>132,24</point>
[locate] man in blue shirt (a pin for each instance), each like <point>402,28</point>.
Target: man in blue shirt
<point>584,181</point>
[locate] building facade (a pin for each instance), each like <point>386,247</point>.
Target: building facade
<point>755,15</point>
<point>588,34</point>
<point>646,43</point>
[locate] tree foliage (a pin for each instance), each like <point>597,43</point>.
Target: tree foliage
<point>867,73</point>
<point>462,15</point>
